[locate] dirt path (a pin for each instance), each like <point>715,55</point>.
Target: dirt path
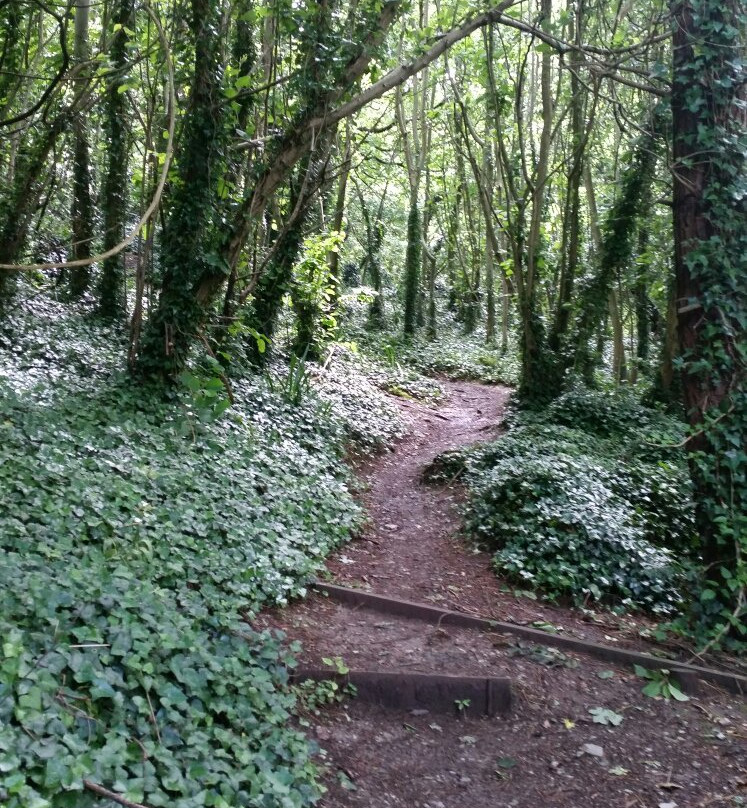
<point>549,752</point>
<point>410,549</point>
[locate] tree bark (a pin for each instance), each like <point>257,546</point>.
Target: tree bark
<point>187,236</point>
<point>82,208</point>
<point>115,196</point>
<point>339,215</point>
<point>710,244</point>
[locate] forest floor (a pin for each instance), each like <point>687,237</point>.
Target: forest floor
<point>548,752</point>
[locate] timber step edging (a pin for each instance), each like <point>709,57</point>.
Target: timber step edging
<point>438,693</point>
<point>687,675</point>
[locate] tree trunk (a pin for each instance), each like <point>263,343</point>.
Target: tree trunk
<point>412,264</point>
<point>339,215</point>
<point>619,367</point>
<point>114,191</point>
<point>710,244</point>
<point>571,235</point>
<point>669,390</point>
<point>535,369</point>
<point>82,208</point>
<point>642,304</point>
<point>374,239</point>
<point>28,185</point>
<point>187,236</point>
<point>615,251</point>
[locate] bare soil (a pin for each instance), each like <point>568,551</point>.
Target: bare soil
<point>549,751</point>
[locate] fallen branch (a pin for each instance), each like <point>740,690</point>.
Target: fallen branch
<point>111,795</point>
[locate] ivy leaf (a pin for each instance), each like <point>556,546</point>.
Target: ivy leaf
<point>602,715</point>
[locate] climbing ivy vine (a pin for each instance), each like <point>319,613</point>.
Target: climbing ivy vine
<point>710,203</point>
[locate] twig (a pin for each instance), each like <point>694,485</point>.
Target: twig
<point>740,609</point>
<point>153,716</point>
<point>91,645</point>
<point>329,358</point>
<point>683,443</point>
<point>111,795</point>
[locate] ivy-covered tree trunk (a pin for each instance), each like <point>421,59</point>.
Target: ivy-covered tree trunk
<point>82,207</point>
<point>115,184</point>
<point>376,316</point>
<point>571,230</point>
<point>188,244</point>
<point>452,245</point>
<point>243,58</point>
<point>491,251</point>
<point>338,219</point>
<point>412,265</point>
<point>709,108</point>
<point>374,240</point>
<point>276,280</point>
<point>642,303</point>
<point>18,208</point>
<point>273,284</point>
<point>615,251</point>
<point>619,365</point>
<point>12,45</point>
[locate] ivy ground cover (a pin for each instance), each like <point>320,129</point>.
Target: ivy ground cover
<point>584,502</point>
<point>133,535</point>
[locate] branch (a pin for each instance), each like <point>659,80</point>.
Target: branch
<point>400,74</point>
<point>297,141</point>
<point>57,79</point>
<point>111,795</point>
<point>600,67</point>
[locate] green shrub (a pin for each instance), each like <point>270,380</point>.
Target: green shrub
<point>453,354</point>
<point>457,356</point>
<point>592,507</point>
<point>352,387</point>
<point>556,527</point>
<point>103,678</point>
<point>602,413</point>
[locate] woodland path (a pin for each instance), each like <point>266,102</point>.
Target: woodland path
<point>671,754</point>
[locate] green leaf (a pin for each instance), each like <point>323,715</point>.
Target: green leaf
<point>653,689</point>
<point>32,700</point>
<point>676,693</point>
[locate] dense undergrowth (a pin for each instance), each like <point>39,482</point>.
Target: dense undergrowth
<point>583,502</point>
<point>453,354</point>
<point>459,356</point>
<point>140,529</point>
<point>135,532</point>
